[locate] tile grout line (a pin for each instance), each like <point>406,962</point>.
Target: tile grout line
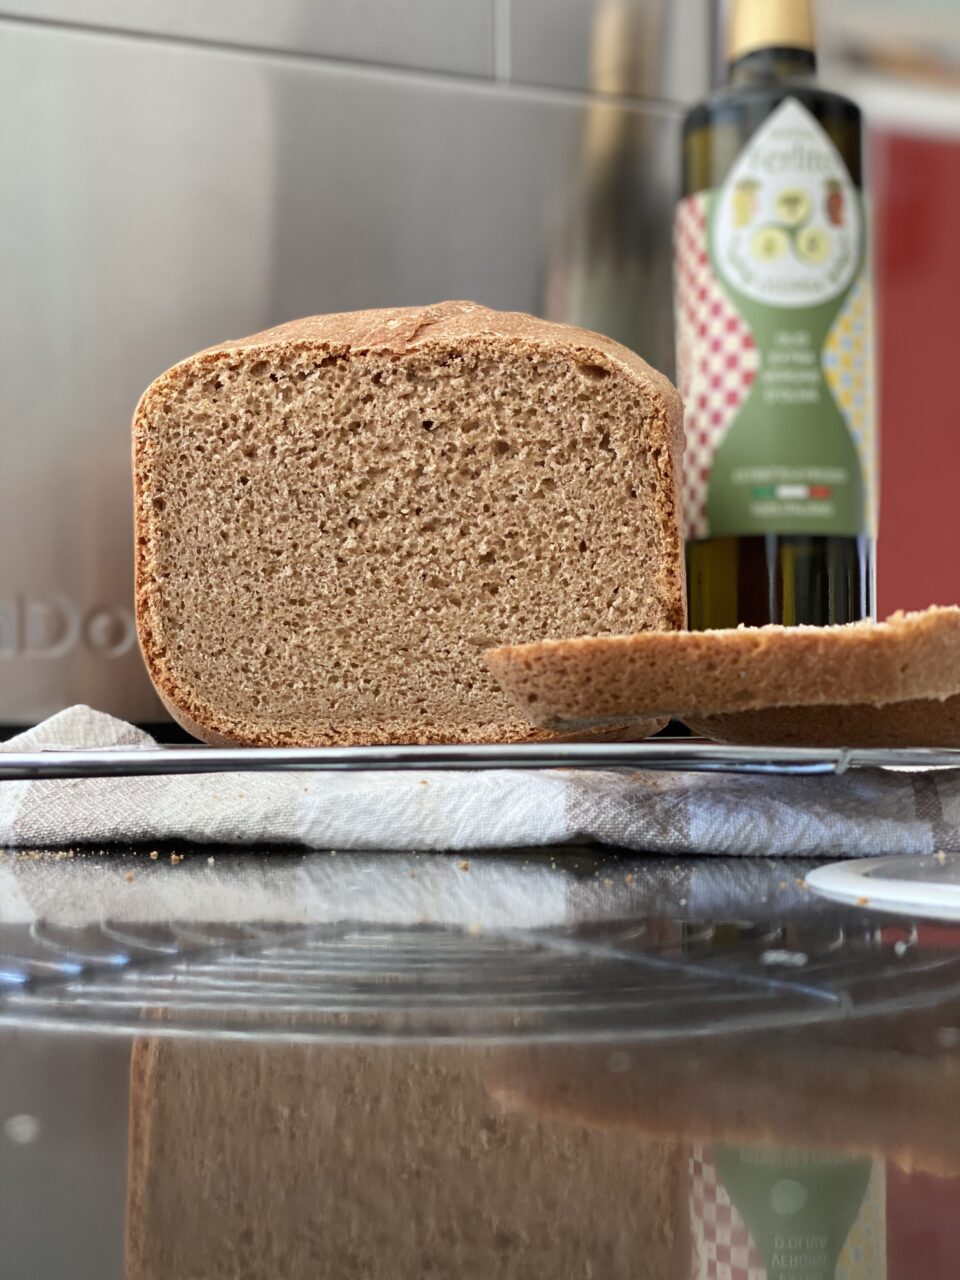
<point>499,81</point>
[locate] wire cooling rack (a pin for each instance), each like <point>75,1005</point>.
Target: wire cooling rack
<point>683,753</point>
<point>653,979</point>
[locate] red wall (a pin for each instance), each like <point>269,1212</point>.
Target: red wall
<point>923,1225</point>
<point>916,202</point>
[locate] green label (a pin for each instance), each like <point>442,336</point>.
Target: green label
<point>775,341</point>
<point>800,1207</point>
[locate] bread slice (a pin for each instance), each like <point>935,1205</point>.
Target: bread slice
<point>861,1086</point>
<point>387,1162</point>
<point>336,517</point>
<point>590,682</point>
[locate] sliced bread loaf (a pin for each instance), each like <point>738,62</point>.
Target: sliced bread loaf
<point>591,681</point>
<point>336,517</point>
<point>381,1162</point>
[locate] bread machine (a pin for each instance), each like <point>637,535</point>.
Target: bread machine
<point>176,181</point>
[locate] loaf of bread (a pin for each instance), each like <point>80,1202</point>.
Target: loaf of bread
<point>829,682</point>
<point>336,517</point>
<point>280,1162</point>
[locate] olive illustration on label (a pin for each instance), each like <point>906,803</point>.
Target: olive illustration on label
<point>744,202</point>
<point>793,206</point>
<point>813,245</point>
<point>770,243</point>
<point>834,203</point>
<point>784,227</point>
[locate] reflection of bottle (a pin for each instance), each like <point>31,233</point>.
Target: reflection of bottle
<point>767,1214</point>
<point>774,342</point>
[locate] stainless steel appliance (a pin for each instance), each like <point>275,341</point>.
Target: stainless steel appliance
<point>175,174</point>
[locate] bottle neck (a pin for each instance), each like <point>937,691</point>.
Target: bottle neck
<point>772,65</point>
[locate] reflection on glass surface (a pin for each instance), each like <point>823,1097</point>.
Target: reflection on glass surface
<point>683,1055</point>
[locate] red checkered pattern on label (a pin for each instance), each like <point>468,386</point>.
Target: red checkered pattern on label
<point>717,357</point>
<point>723,1247</point>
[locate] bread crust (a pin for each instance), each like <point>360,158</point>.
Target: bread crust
<point>692,675</point>
<point>426,331</point>
<point>140,1161</point>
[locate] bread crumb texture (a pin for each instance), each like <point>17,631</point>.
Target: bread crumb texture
<point>334,520</point>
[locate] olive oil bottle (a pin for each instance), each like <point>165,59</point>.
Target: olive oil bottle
<point>774,337</point>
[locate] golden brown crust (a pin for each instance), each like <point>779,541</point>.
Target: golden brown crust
<point>691,675</point>
<point>401,330</point>
<point>432,330</point>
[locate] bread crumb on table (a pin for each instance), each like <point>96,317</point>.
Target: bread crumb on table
<point>154,854</point>
<point>38,855</point>
<point>464,865</point>
<point>176,857</point>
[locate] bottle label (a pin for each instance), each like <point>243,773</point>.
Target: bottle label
<point>767,1214</point>
<point>775,341</point>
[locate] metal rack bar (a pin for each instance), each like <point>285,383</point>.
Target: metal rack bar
<point>679,754</point>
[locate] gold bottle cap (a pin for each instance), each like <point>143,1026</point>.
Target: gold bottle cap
<point>769,24</point>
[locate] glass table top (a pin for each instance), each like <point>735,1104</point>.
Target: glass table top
<point>566,1062</point>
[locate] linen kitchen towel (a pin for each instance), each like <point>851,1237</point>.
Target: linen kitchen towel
<point>858,813</point>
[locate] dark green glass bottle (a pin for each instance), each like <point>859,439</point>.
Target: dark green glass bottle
<point>774,338</point>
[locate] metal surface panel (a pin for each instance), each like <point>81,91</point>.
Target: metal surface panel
<point>439,35</point>
<point>63,1148</point>
<point>161,197</point>
<point>634,48</point>
<point>137,227</point>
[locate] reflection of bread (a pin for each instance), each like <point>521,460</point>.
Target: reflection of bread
<point>335,518</point>
<point>284,1162</point>
<point>858,1088</point>
<point>711,679</point>
<point>923,722</point>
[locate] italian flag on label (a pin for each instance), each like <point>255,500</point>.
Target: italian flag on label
<point>794,491</point>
